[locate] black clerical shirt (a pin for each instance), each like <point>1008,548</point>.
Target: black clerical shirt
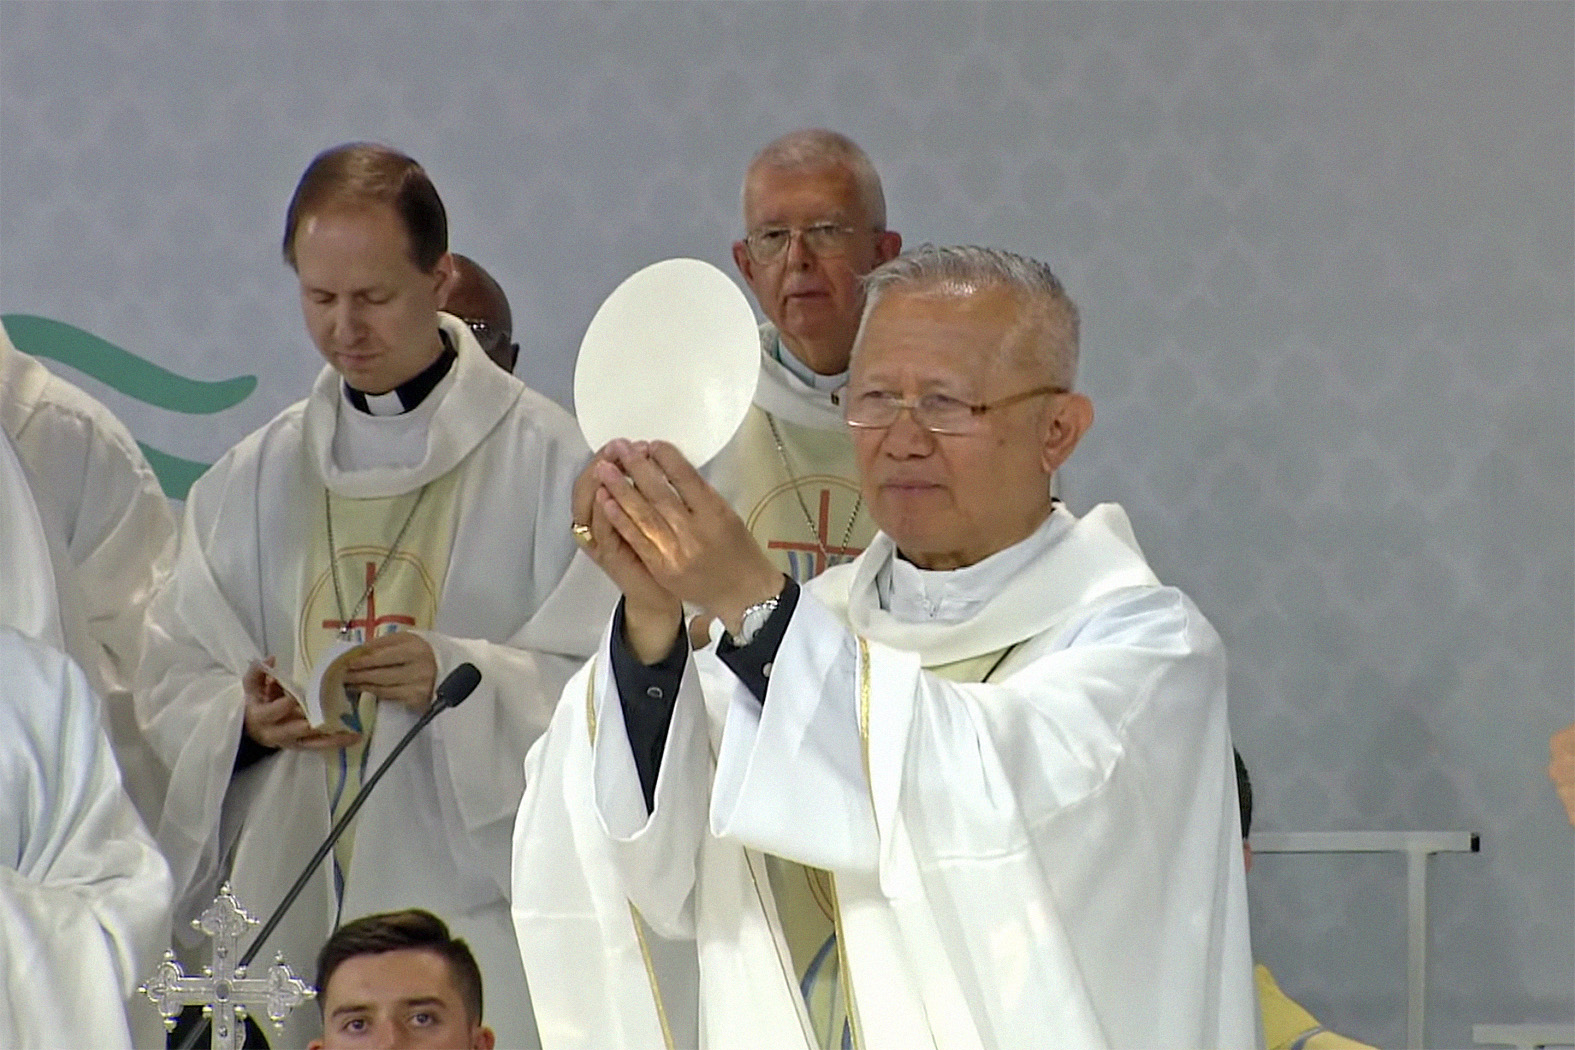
<point>647,692</point>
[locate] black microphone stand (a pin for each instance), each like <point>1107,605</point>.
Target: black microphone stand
<point>454,688</point>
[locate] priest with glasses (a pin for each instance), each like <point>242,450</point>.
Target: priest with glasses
<point>971,790</point>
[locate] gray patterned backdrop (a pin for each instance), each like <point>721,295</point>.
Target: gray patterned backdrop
<point>1323,251</point>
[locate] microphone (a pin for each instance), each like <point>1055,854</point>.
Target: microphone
<point>451,692</point>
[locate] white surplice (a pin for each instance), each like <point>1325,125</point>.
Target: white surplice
<point>84,895</point>
<point>516,601</point>
<point>112,529</point>
<point>1049,859</point>
<point>30,560</point>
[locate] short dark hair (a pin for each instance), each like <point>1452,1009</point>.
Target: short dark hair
<point>401,930</point>
<point>368,173</point>
<point>1243,794</point>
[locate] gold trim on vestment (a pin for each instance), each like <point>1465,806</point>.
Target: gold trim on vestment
<point>784,965</point>
<point>635,919</point>
<point>846,971</point>
<point>864,712</point>
<point>650,975</point>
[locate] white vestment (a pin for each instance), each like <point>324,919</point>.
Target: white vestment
<point>435,832</point>
<point>29,558</point>
<point>111,528</point>
<point>84,895</point>
<point>1049,859</point>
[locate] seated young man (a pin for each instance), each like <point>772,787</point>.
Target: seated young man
<point>398,979</point>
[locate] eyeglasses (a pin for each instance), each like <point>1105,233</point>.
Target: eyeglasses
<point>491,338</point>
<point>827,240</point>
<point>937,413</point>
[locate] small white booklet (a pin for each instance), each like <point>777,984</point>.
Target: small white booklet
<point>329,705</point>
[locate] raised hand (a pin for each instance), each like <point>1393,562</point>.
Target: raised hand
<point>651,612</point>
<point>690,542</point>
<point>1561,770</point>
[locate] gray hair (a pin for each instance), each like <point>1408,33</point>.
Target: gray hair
<point>814,148</point>
<point>965,270</point>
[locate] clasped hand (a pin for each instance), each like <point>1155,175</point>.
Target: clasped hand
<point>666,537</point>
<point>400,667</point>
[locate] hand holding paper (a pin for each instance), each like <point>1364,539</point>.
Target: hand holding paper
<point>276,717</point>
<point>400,667</point>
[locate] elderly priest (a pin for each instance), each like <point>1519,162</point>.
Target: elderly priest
<point>971,790</point>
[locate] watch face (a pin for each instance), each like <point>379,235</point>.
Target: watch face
<point>753,620</point>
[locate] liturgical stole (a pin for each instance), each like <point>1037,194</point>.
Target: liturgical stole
<point>405,596</point>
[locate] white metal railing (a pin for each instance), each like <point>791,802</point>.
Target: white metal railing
<point>1523,1036</point>
<point>1416,846</point>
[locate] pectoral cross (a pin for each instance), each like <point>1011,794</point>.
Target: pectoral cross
<point>823,554</point>
<point>224,992</point>
<point>371,622</point>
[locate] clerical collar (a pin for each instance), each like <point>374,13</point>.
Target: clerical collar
<point>813,379</point>
<point>915,595</point>
<point>411,392</point>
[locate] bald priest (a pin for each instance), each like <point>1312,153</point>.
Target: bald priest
<point>971,790</point>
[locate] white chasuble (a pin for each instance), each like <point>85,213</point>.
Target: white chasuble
<point>1050,858</point>
<point>112,532</point>
<point>84,895</point>
<point>512,597</point>
<point>30,598</point>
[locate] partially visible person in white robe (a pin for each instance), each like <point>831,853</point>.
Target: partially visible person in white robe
<point>994,743</point>
<point>84,894</point>
<point>30,600</point>
<point>416,502</point>
<point>113,532</point>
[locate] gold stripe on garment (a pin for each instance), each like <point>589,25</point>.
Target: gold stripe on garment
<point>650,975</point>
<point>784,963</point>
<point>844,974</point>
<point>844,971</point>
<point>864,711</point>
<point>635,919</point>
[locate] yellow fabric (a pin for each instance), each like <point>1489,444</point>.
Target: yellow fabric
<point>806,907</point>
<point>1286,1024</point>
<point>405,597</point>
<point>754,482</point>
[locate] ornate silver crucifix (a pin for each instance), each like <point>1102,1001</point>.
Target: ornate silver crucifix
<point>224,992</point>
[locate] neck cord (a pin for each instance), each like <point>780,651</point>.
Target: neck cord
<point>814,532</point>
<point>333,560</point>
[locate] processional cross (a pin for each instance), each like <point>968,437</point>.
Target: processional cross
<point>224,992</point>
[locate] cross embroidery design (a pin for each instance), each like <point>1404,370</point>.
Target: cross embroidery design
<point>823,553</point>
<point>224,991</point>
<point>369,623</point>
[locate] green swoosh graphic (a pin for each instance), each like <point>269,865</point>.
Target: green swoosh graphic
<point>136,378</point>
<point>176,475</point>
<point>123,370</point>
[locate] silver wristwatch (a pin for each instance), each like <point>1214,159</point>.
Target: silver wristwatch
<point>753,620</point>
